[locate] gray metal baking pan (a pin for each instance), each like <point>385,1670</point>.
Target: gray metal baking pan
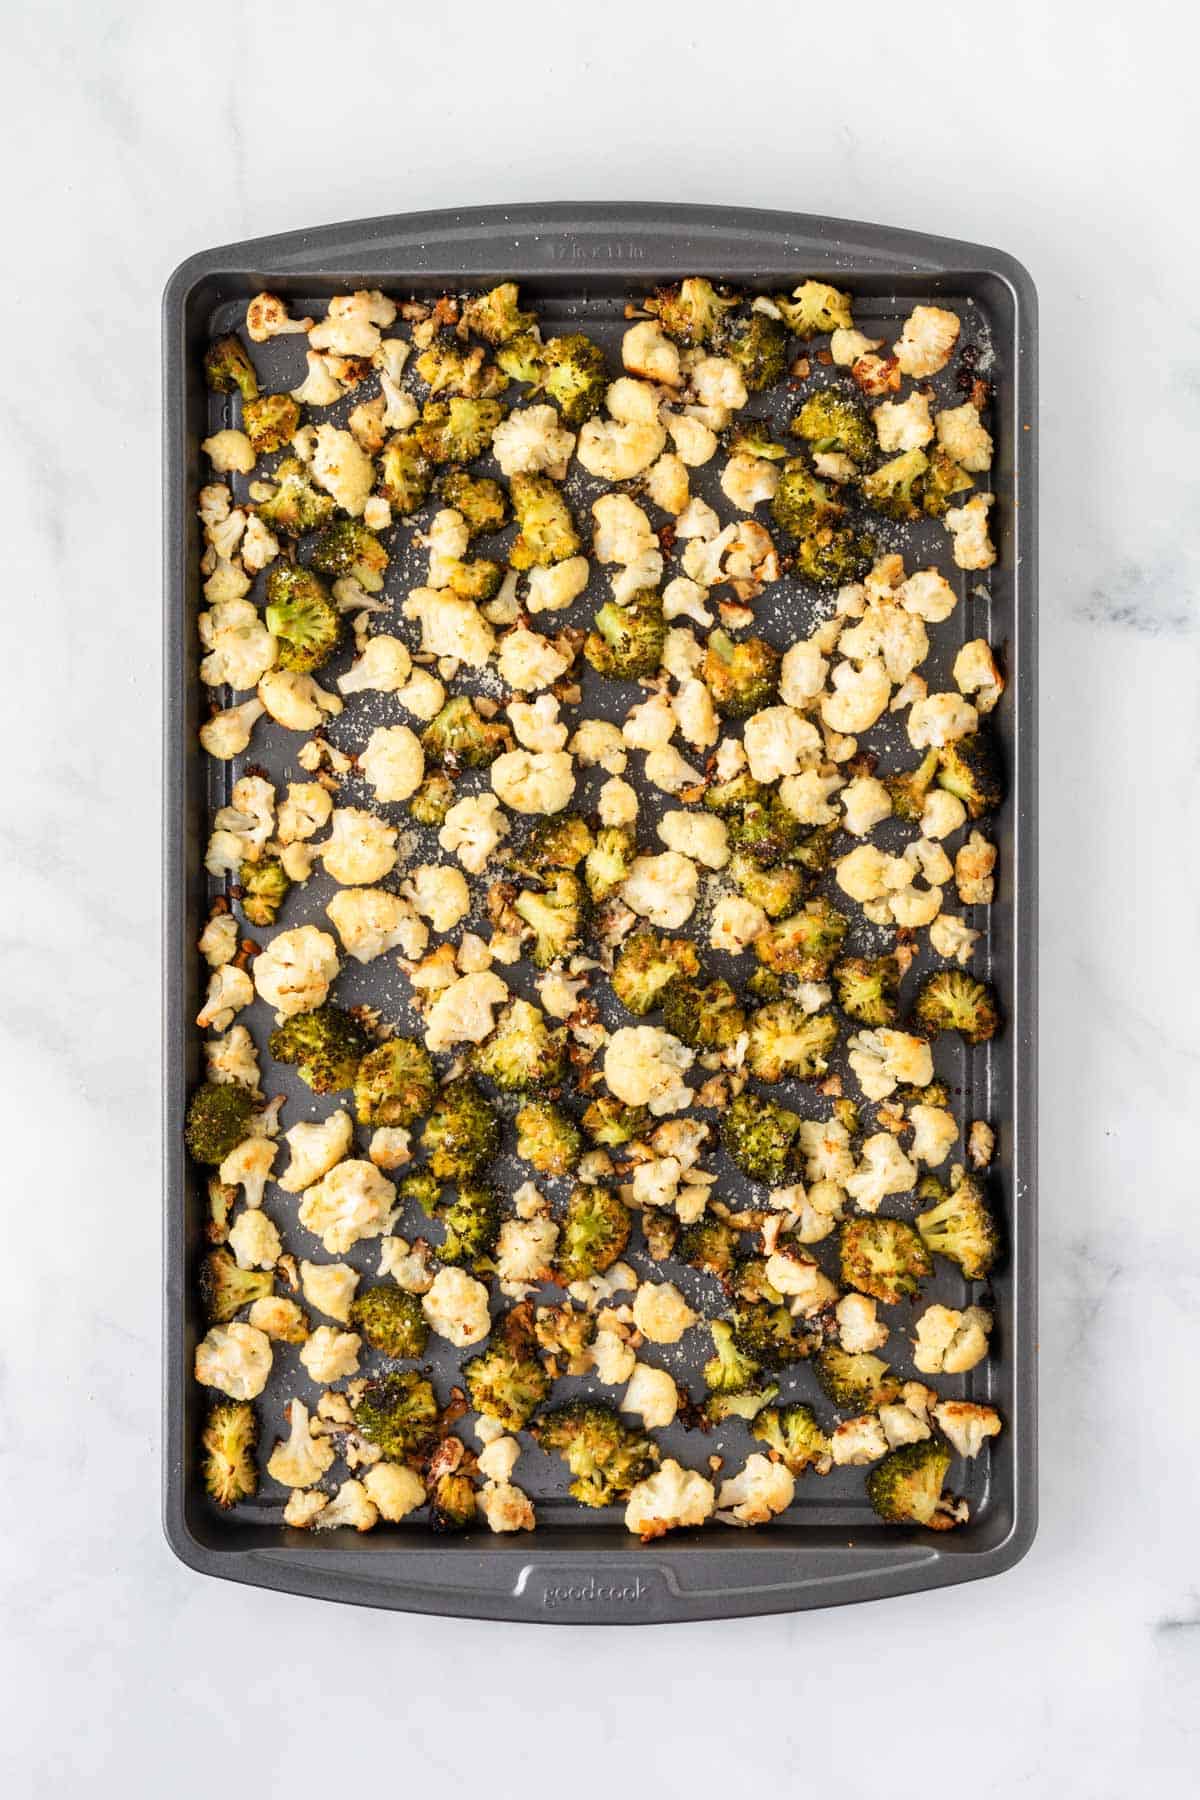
<point>581,263</point>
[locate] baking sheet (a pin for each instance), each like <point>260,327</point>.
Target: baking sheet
<point>580,266</point>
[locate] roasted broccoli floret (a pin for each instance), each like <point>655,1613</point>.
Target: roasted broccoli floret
<point>496,315</point>
<point>646,966</point>
<point>574,376</point>
<point>225,1289</point>
<point>767,1331</point>
<point>728,1370</point>
<point>462,1133</point>
<point>547,531</point>
<point>804,944</point>
<point>942,480</point>
<point>725,797</point>
<point>894,487</point>
<point>556,916</point>
<point>472,1226</point>
<point>595,1230</point>
<point>507,1382</point>
<point>710,1245</point>
<point>741,677</point>
<point>627,640</point>
<point>559,842</point>
<point>905,1488</point>
<point>833,558</point>
<point>778,890</point>
<point>460,738</point>
<point>745,1404</point>
<point>405,473</point>
<point>764,830</point>
<point>611,1122</point>
<point>854,1380</point>
<point>264,886</point>
<point>432,800</point>
<point>227,366</point>
<point>229,1441</point>
<point>565,1333</point>
<point>704,1018</point>
<point>815,307</point>
<point>691,311</point>
<point>814,852</point>
<point>908,788</point>
<point>867,987</point>
<point>660,1230</point>
<point>760,1136</point>
<point>218,1119</point>
<point>326,1045</point>
<point>477,580</point>
<point>451,1501</point>
<point>522,1052</point>
<point>481,501</point>
<point>952,1000</point>
<point>758,345</point>
<point>302,618</point>
<point>456,430</point>
<point>796,1438</point>
<point>399,1414</point>
<point>297,505</point>
<point>423,1189</point>
<point>883,1257</point>
<point>606,1458</point>
<point>835,419</point>
<point>752,437</point>
<point>391,1321</point>
<point>523,358</point>
<point>270,422</point>
<point>396,1082</point>
<point>970,768</point>
<point>547,1138</point>
<point>347,548</point>
<point>449,368</point>
<point>961,1227</point>
<point>803,503</point>
<point>787,1041</point>
<point>609,861</point>
<point>764,986</point>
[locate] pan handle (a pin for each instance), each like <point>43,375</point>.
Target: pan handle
<point>649,1584</point>
<point>621,239</point>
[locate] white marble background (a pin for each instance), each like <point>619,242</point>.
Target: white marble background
<point>135,133</point>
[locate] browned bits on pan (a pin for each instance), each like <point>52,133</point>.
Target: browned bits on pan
<point>905,951</point>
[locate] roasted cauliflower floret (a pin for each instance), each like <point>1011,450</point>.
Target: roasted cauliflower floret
<point>456,1307</point>
<point>351,1202</point>
<point>754,1496</point>
<point>927,341</point>
<point>293,974</point>
<point>236,1359</point>
<point>669,1500</point>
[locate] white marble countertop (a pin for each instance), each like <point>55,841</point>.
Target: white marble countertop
<point>136,134</point>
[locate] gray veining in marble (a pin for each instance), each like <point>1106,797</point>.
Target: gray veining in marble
<point>132,134</point>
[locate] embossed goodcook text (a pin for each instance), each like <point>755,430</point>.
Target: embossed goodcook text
<point>593,1592</point>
